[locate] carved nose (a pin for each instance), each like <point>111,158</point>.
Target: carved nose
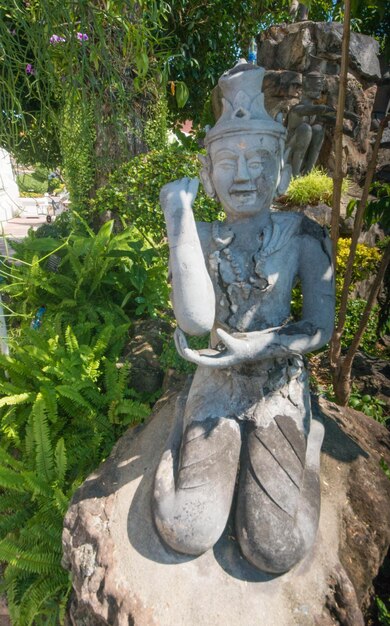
<point>242,173</point>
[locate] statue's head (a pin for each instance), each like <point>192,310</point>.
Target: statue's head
<point>313,85</point>
<point>244,166</point>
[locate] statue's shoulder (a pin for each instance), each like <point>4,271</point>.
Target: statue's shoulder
<point>282,227</point>
<point>205,234</point>
<point>298,224</point>
<point>286,226</point>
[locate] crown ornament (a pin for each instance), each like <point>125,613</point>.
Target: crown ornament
<point>243,108</point>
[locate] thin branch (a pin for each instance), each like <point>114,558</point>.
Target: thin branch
<point>338,131</point>
<point>358,225</point>
<point>347,363</point>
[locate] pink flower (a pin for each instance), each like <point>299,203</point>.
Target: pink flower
<point>56,39</point>
<point>82,36</point>
<point>30,69</point>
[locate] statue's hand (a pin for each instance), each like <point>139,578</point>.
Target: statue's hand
<point>240,348</point>
<point>178,196</point>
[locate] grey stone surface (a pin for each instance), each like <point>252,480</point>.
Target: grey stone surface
<point>287,52</point>
<point>123,574</point>
<point>248,410</point>
<point>290,46</point>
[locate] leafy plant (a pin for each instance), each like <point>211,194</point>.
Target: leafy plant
<point>365,264</point>
<point>369,405</point>
<point>97,272</point>
<point>354,313</point>
<point>313,188</point>
<point>133,190</point>
<point>170,359</point>
<point>64,393</point>
<point>376,210</point>
<point>383,612</point>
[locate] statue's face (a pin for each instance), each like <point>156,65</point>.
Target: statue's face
<point>245,173</point>
<point>313,86</point>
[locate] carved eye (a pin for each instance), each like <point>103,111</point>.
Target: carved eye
<point>255,163</point>
<point>226,164</point>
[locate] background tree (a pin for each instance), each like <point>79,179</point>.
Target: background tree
<point>77,81</point>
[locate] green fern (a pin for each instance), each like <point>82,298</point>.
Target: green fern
<point>64,400</point>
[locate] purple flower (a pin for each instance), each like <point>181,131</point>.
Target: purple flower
<point>82,36</point>
<point>30,69</point>
<point>56,39</point>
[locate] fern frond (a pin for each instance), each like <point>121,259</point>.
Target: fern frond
<point>37,485</point>
<point>103,339</point>
<point>10,502</point>
<point>9,479</point>
<point>19,398</point>
<point>8,459</point>
<point>69,392</point>
<point>61,501</point>
<point>50,397</point>
<point>33,562</point>
<point>60,459</point>
<point>11,522</point>
<point>53,589</point>
<point>71,341</point>
<point>43,449</point>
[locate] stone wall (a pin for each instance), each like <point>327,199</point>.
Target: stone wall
<point>286,51</point>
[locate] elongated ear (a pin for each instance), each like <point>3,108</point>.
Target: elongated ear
<point>205,175</point>
<point>285,174</point>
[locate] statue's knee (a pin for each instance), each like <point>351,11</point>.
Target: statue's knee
<point>188,527</point>
<point>304,135</point>
<point>270,551</point>
<point>192,505</point>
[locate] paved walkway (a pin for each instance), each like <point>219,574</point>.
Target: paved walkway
<point>17,228</point>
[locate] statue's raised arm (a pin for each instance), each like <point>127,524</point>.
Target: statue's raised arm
<point>248,408</point>
<point>192,292</point>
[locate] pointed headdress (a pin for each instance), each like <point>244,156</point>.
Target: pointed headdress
<point>243,108</point>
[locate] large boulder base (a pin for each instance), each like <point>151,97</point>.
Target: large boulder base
<point>123,574</point>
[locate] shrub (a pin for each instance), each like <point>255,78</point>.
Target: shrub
<point>313,188</point>
<point>64,397</point>
<point>366,262</point>
<point>133,190</point>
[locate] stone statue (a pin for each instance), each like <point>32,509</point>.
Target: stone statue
<point>248,408</point>
<point>306,123</point>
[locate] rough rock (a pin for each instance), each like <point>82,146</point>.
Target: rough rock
<point>372,376</point>
<point>289,46</point>
<point>286,52</point>
<point>143,350</point>
<point>123,574</point>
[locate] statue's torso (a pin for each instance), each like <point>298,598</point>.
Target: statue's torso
<point>253,284</point>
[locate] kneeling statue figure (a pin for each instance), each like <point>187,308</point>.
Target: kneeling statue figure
<point>248,408</point>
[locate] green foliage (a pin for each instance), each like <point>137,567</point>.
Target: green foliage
<point>355,310</point>
<point>369,405</point>
<point>313,188</point>
<point>365,264</point>
<point>64,396</point>
<point>100,57</point>
<point>385,468</point>
<point>36,182</point>
<point>133,190</point>
<point>77,138</point>
<point>170,359</point>
<point>383,611</point>
<point>156,127</point>
<point>104,271</point>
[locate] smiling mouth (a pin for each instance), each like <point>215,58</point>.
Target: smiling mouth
<point>242,192</point>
